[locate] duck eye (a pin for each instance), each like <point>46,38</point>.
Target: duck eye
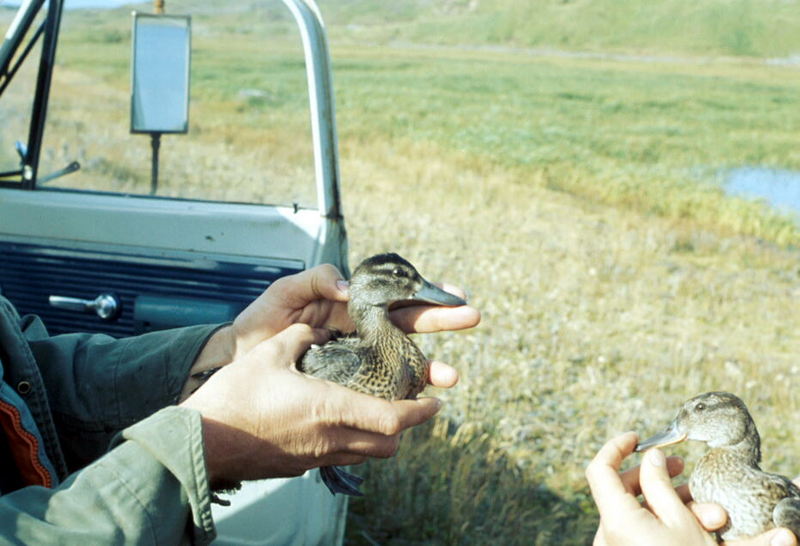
<point>699,406</point>
<point>397,272</point>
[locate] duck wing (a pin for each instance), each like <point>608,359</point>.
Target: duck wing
<point>336,361</point>
<point>787,511</point>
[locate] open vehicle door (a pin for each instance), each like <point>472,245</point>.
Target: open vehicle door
<point>92,239</point>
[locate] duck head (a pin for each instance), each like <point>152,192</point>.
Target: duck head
<point>720,419</point>
<point>384,279</point>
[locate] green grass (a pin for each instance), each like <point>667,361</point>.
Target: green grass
<point>714,27</point>
<point>577,199</point>
<point>651,137</point>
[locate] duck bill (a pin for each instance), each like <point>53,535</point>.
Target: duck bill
<point>668,437</point>
<point>430,293</point>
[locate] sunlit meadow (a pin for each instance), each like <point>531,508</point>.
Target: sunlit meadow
<point>577,199</point>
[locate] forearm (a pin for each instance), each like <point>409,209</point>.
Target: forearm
<point>143,491</point>
<point>98,385</point>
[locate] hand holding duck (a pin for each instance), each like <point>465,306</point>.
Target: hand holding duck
<point>669,516</point>
<point>729,473</point>
<point>262,418</point>
<point>318,297</point>
<point>378,359</point>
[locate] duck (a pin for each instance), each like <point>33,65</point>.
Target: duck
<point>378,358</point>
<point>729,473</point>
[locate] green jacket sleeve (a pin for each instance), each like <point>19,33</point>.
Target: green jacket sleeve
<point>97,385</point>
<point>152,488</point>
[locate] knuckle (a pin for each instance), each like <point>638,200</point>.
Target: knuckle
<point>280,284</point>
<point>299,328</point>
<point>329,270</point>
<point>323,447</point>
<point>389,448</point>
<point>324,412</point>
<point>390,424</point>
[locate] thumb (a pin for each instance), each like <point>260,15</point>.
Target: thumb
<point>320,282</point>
<point>658,491</point>
<point>287,346</point>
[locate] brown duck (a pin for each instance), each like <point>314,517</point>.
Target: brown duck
<point>378,358</point>
<point>729,473</point>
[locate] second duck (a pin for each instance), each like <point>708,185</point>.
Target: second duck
<point>729,473</point>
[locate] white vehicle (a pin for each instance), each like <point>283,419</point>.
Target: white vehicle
<point>120,258</point>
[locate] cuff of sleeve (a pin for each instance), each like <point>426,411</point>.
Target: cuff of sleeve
<point>167,357</point>
<point>174,437</point>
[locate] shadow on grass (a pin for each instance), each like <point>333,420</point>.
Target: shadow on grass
<point>448,485</point>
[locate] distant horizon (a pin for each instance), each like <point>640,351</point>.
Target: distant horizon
<point>80,4</point>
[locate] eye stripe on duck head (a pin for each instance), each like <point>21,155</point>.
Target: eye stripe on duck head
<point>386,261</point>
<point>719,419</point>
<point>383,279</point>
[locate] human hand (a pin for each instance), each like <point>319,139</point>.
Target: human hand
<point>318,297</point>
<point>666,519</point>
<point>262,418</point>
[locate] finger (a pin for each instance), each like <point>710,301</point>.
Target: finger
<point>442,375</point>
<point>341,459</point>
<point>321,282</point>
<point>433,318</point>
<point>657,489</point>
<point>367,444</point>
<point>775,537</point>
<point>710,515</point>
<point>415,412</point>
<point>372,414</point>
<point>291,343</point>
<point>683,493</point>
<point>599,536</point>
<point>630,478</point>
<point>610,495</point>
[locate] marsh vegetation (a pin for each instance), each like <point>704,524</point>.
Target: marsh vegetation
<point>576,198</point>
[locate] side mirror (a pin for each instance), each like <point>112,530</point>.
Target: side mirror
<point>160,73</point>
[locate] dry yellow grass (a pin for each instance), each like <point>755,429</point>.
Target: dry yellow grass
<point>595,321</point>
<point>596,318</point>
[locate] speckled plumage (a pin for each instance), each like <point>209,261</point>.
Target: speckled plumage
<point>383,362</point>
<point>378,359</point>
<point>729,473</point>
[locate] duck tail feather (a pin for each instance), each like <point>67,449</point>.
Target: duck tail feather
<point>340,481</point>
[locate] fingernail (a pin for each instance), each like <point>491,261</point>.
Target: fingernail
<point>656,457</point>
<point>343,286</point>
<point>782,537</point>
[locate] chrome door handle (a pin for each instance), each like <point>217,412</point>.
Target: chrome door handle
<point>106,306</point>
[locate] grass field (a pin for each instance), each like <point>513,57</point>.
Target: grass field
<point>763,28</point>
<point>577,199</point>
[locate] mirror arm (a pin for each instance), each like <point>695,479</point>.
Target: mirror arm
<point>71,168</point>
<point>155,144</point>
